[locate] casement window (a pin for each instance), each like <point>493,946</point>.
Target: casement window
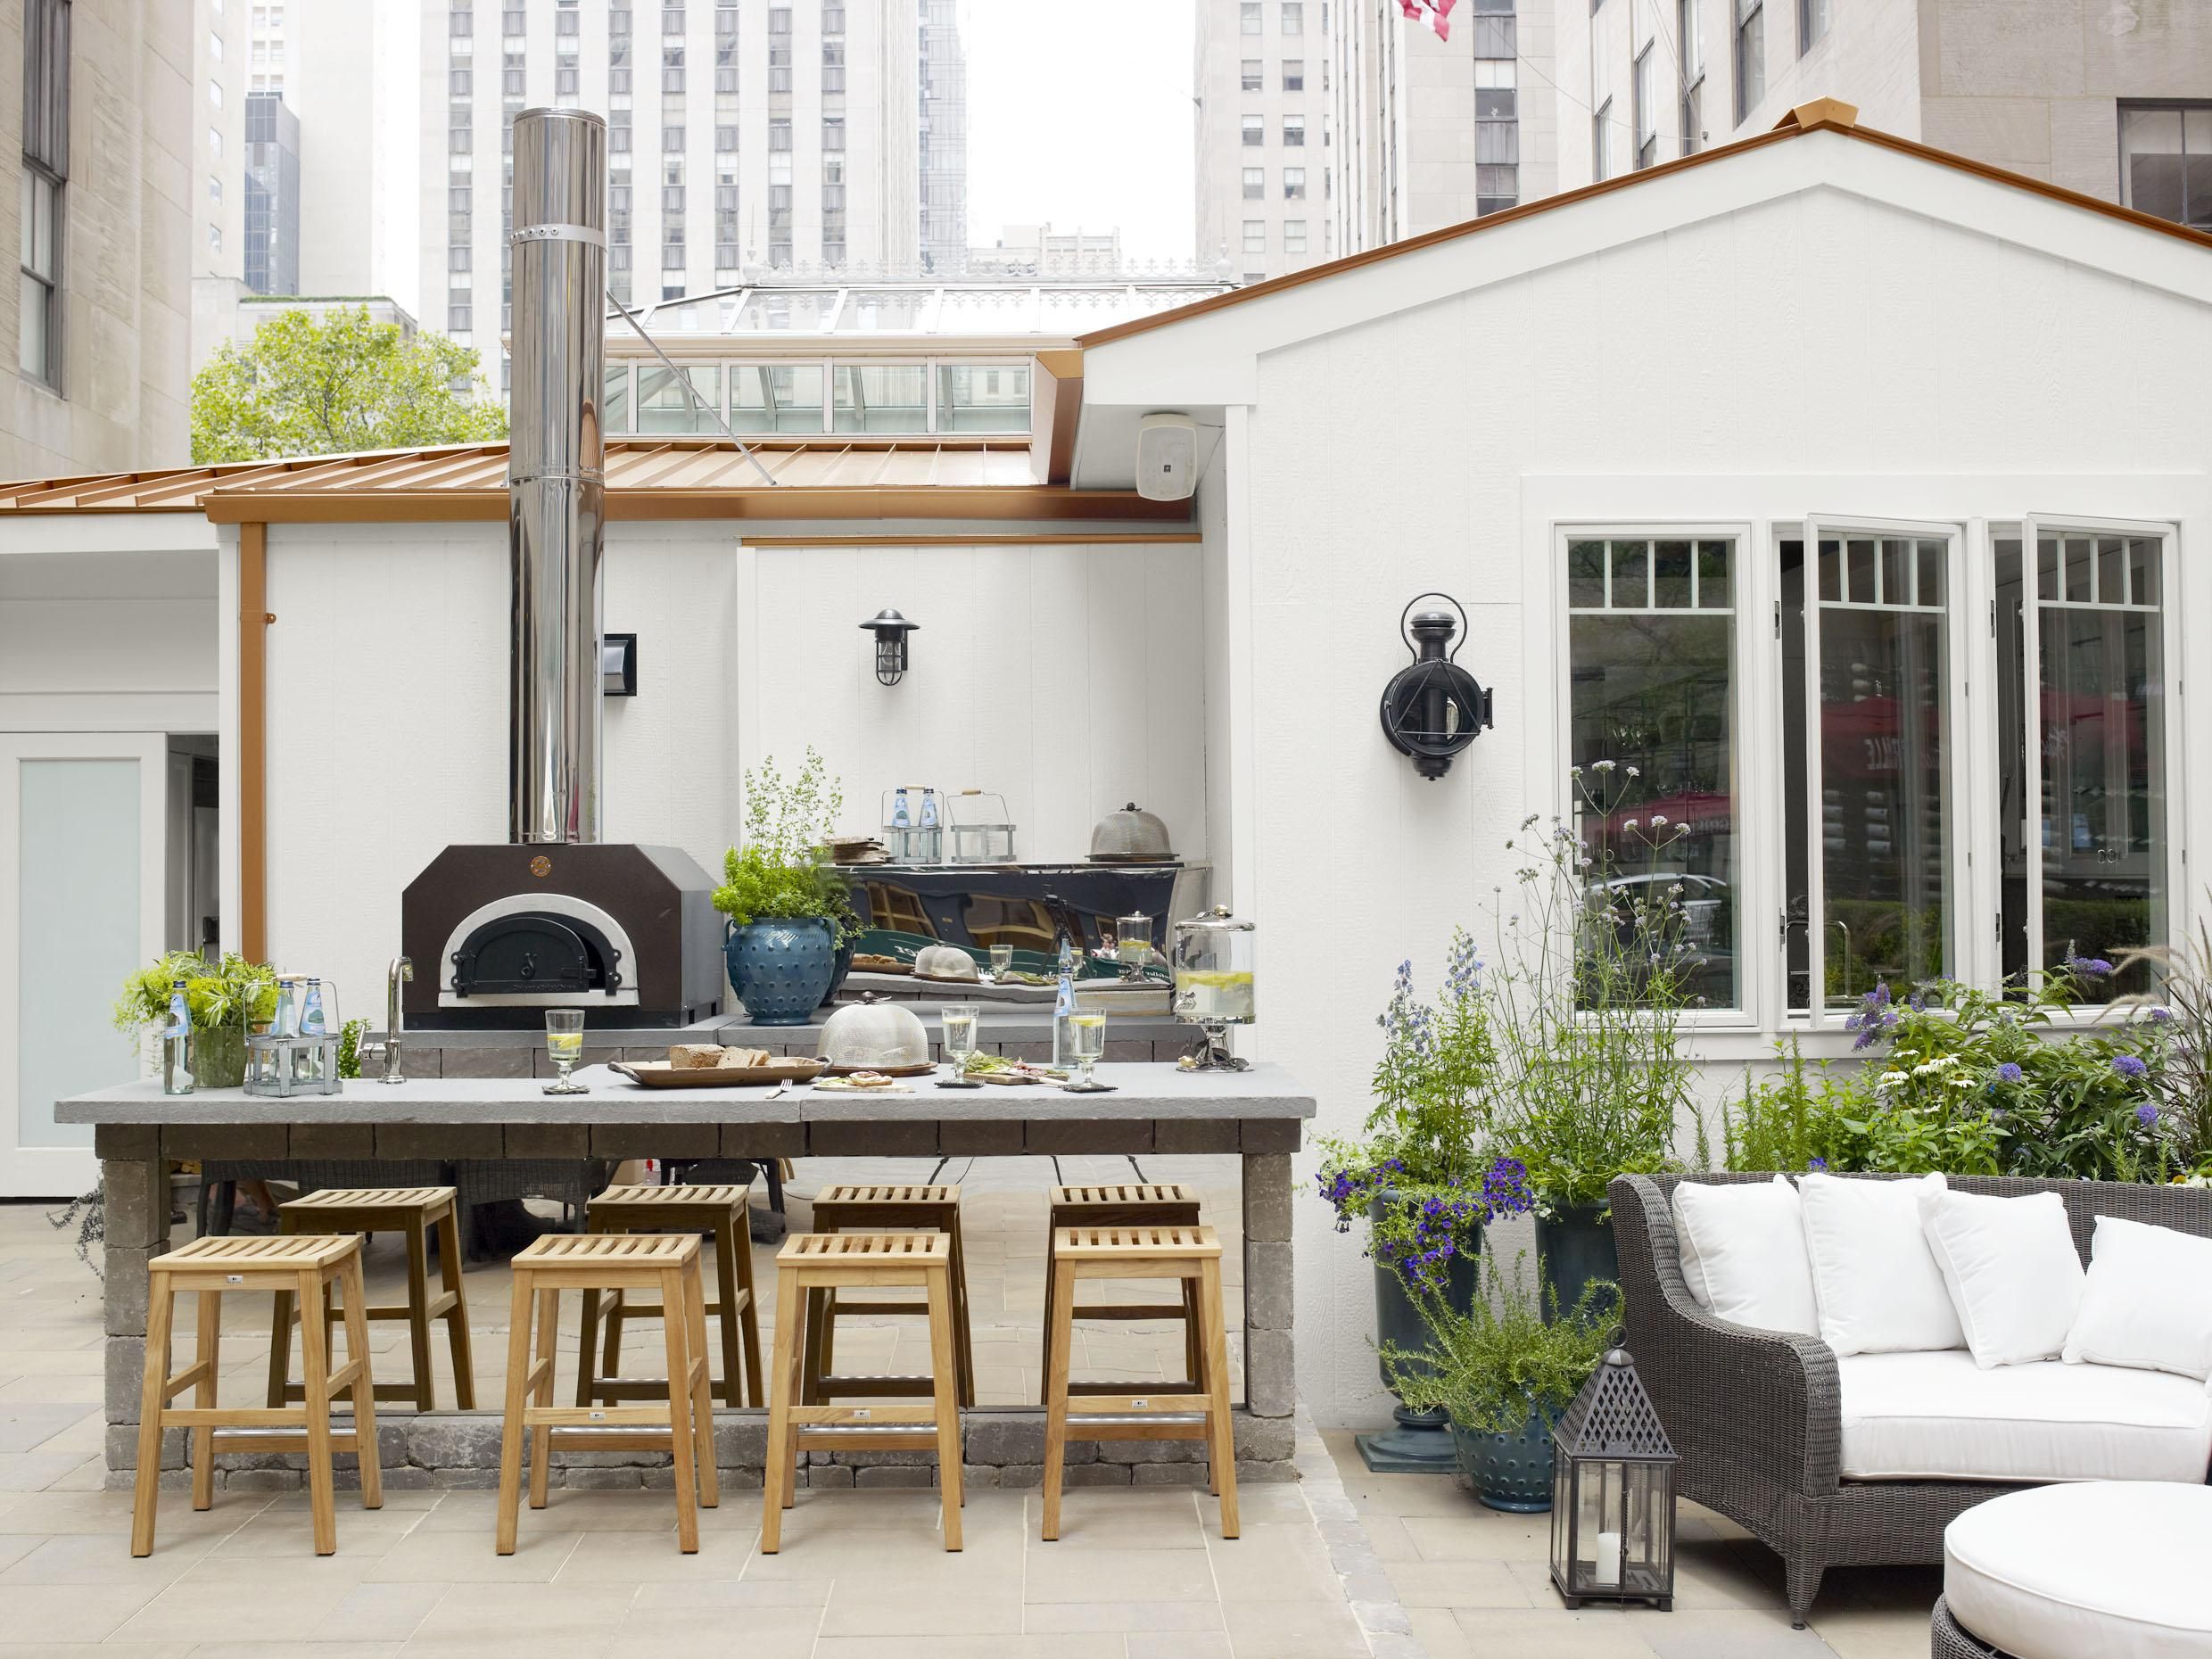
<point>1750,57</point>
<point>1689,24</point>
<point>43,191</point>
<point>1602,164</point>
<point>1646,91</point>
<point>1813,22</point>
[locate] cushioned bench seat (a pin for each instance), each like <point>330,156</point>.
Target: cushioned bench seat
<point>1937,1416</point>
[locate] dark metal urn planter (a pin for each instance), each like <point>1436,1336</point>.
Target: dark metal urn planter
<point>1509,1471</point>
<point>1417,1442</point>
<point>782,970</point>
<point>1574,1246</point>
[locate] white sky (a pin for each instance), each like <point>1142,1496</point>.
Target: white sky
<point>1080,112</point>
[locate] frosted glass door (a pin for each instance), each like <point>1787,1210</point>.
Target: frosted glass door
<point>81,862</point>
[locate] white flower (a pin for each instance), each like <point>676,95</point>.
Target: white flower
<point>1636,771</point>
<point>1658,819</point>
<point>1604,765</point>
<point>1630,825</point>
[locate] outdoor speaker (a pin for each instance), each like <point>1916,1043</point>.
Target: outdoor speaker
<point>1167,458</point>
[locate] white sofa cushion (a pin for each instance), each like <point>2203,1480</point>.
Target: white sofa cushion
<point>2010,1265</point>
<point>2099,1571</point>
<point>2145,1304</point>
<point>1743,1253</point>
<point>1873,1278</point>
<point>1940,1416</point>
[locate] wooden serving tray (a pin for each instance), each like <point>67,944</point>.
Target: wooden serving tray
<point>658,1074</point>
<point>921,1070</point>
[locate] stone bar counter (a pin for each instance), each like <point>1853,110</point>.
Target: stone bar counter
<point>1257,1116</point>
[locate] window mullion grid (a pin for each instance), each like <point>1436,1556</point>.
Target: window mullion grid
<point>2032,739</point>
<point>1980,866</point>
<point>1763,987</point>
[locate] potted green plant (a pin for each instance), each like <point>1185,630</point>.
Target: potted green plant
<point>1422,1178</point>
<point>1595,974</point>
<point>227,999</point>
<point>788,909</point>
<point>1503,1369</point>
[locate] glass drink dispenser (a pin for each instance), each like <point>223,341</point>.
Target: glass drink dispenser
<point>1213,985</point>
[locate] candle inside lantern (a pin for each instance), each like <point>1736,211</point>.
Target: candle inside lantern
<point>1608,1567</point>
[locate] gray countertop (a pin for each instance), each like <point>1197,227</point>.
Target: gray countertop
<point>1142,1091</point>
<point>1021,1024</point>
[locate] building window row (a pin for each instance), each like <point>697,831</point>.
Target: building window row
<point>932,396</point>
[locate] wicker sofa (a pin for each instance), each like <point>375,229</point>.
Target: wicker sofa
<point>1756,1414</point>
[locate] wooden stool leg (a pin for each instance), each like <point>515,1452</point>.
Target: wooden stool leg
<point>1044,1344</point>
<point>726,1295</point>
<point>456,1317</point>
<point>315,1383</point>
<point>617,1310</point>
<point>784,1363</point>
<point>674,1327</point>
<point>208,1352</point>
<point>418,1238</point>
<point>161,1309</point>
<point>541,1437</point>
<point>944,1392</point>
<point>1193,1335</point>
<point>281,1313</point>
<point>511,1427</point>
<point>963,1345</point>
<point>1221,1448</point>
<point>703,1390</point>
<point>749,1321</point>
<point>366,1452</point>
<point>587,1351</point>
<point>1062,1338</point>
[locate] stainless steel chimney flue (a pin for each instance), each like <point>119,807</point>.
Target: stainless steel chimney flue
<point>555,472</point>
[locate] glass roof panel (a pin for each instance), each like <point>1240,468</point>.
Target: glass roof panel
<point>987,311</point>
<point>884,310</point>
<point>785,310</point>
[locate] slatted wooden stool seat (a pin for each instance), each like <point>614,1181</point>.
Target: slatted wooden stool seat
<point>718,1210</point>
<point>835,1261</point>
<point>412,1212</point>
<point>681,1422</point>
<point>1117,1204</point>
<point>309,1267</point>
<point>1196,1410</point>
<point>883,1207</point>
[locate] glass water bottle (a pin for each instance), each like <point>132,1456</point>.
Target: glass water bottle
<point>176,1043</point>
<point>311,1017</point>
<point>1064,1009</point>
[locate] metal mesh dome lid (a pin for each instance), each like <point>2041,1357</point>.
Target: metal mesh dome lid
<point>1131,832</point>
<point>874,1034</point>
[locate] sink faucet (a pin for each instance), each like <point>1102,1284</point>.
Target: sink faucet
<point>403,972</point>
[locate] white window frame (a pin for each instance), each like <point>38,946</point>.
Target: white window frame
<point>736,366</point>
<point>1758,959</point>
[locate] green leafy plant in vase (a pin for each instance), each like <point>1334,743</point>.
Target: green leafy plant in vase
<point>791,911</point>
<point>1503,1369</point>
<point>226,1000</point>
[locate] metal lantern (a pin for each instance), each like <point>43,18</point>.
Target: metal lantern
<point>890,630</point>
<point>285,1064</point>
<point>1613,1493</point>
<point>1433,708</point>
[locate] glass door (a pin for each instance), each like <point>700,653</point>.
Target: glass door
<point>1871,659</point>
<point>82,859</point>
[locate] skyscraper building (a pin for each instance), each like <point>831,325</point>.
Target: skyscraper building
<point>740,138</point>
<point>271,245</point>
<point>943,138</point>
<point>1261,82</point>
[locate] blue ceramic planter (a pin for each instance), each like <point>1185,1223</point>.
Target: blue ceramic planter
<point>1512,1471</point>
<point>782,970</point>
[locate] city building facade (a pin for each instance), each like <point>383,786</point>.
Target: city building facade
<point>944,140</point>
<point>108,129</point>
<point>760,136</point>
<point>272,195</point>
<point>1045,250</point>
<point>2112,100</point>
<point>1261,83</point>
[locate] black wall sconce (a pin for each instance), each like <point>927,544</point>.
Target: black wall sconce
<point>618,664</point>
<point>890,630</point>
<point>1432,708</point>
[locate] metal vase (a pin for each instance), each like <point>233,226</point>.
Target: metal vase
<point>1417,1442</point>
<point>1574,1246</point>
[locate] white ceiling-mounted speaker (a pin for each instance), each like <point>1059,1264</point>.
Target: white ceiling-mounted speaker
<point>1167,458</point>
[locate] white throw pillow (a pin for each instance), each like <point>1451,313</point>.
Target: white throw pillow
<point>2010,1265</point>
<point>1873,1277</point>
<point>2146,1303</point>
<point>1744,1254</point>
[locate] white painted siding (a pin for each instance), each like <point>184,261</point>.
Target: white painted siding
<point>108,640</point>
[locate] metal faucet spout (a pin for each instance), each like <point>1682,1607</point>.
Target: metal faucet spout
<point>403,972</point>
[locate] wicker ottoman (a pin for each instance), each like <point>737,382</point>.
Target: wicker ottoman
<point>2098,1570</point>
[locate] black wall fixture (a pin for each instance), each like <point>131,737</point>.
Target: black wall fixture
<point>890,630</point>
<point>1432,708</point>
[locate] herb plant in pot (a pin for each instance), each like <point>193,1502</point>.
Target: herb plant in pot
<point>1595,971</point>
<point>226,999</point>
<point>788,906</point>
<point>1422,1180</point>
<point>1503,1369</point>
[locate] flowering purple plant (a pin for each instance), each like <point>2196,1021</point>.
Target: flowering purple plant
<point>1875,1019</point>
<point>2131,1066</point>
<point>1422,1233</point>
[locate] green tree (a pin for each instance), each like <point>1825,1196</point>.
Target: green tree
<point>302,386</point>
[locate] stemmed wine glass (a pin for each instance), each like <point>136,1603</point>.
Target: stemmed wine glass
<point>1002,960</point>
<point>1088,1035</point>
<point>564,1045</point>
<point>959,1022</point>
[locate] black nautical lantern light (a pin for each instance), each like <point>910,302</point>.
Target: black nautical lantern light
<point>890,630</point>
<point>1613,1493</point>
<point>1433,708</point>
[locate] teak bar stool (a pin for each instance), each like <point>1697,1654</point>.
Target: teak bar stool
<point>410,1211</point>
<point>308,1267</point>
<point>1122,1204</point>
<point>719,1210</point>
<point>882,1208</point>
<point>1183,1411</point>
<point>833,1261</point>
<point>683,1423</point>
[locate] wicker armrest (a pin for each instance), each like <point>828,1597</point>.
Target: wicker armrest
<point>1756,1415</point>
